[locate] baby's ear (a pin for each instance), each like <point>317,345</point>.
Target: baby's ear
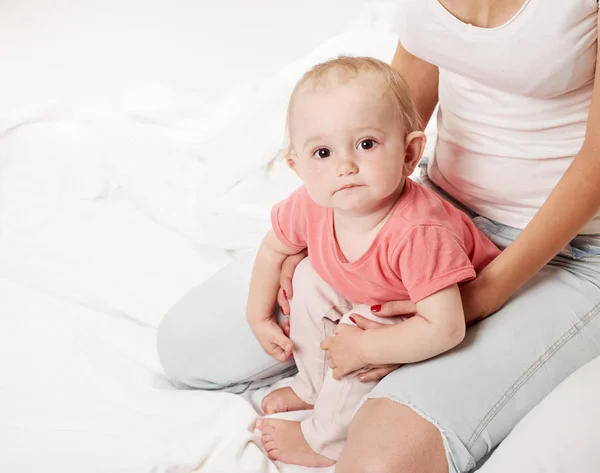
<point>290,159</point>
<point>414,147</point>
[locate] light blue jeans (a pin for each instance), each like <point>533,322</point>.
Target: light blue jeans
<point>474,394</point>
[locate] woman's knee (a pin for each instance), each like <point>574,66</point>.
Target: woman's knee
<point>195,332</point>
<point>388,437</point>
<point>175,344</point>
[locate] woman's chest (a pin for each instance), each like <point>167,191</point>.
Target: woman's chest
<point>545,49</point>
<point>486,14</point>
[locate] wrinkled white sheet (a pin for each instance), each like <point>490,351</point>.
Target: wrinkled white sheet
<point>107,217</point>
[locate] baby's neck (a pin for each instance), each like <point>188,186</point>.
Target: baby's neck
<point>363,222</point>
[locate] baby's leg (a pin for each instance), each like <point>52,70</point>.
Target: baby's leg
<point>326,430</point>
<point>318,440</point>
<point>314,309</point>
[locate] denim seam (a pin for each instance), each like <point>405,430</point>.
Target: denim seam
<point>495,232</point>
<point>253,377</point>
<point>574,330</point>
<point>588,259</point>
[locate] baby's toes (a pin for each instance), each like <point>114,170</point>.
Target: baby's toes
<point>269,445</point>
<point>274,454</point>
<point>259,424</point>
<point>268,406</point>
<point>268,426</point>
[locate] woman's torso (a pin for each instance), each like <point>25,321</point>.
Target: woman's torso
<point>513,100</point>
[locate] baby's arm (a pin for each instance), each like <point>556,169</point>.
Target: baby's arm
<point>438,326</point>
<point>263,295</point>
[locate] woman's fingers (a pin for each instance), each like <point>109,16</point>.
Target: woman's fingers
<point>284,304</point>
<point>375,374</point>
<point>392,308</point>
<point>285,326</point>
<point>364,323</point>
<point>287,272</point>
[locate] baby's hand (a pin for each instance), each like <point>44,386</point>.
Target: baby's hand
<point>272,339</point>
<point>343,354</point>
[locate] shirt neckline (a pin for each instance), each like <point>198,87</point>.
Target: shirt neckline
<point>403,199</point>
<point>467,28</point>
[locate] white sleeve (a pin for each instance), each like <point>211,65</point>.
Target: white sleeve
<point>398,17</point>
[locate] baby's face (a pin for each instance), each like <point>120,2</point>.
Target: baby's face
<point>348,143</point>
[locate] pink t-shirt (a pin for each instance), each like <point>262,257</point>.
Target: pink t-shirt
<point>425,246</point>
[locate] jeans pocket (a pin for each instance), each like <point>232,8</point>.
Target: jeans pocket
<point>488,227</point>
<point>584,248</point>
<point>499,234</point>
<point>420,175</point>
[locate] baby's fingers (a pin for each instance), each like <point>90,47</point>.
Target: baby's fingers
<point>279,354</point>
<point>283,342</point>
<point>326,344</point>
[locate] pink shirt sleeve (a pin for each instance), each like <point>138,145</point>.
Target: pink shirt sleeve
<point>289,219</point>
<point>431,258</point>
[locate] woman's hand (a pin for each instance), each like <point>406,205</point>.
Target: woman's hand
<point>285,281</point>
<point>343,353</point>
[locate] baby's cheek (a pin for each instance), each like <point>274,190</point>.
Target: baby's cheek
<point>318,193</point>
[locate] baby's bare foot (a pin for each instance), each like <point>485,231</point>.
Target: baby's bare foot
<point>283,441</point>
<point>283,400</point>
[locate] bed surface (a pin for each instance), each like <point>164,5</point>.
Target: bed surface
<point>113,204</point>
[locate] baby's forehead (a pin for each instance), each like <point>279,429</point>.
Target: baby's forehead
<point>335,79</point>
<point>364,92</point>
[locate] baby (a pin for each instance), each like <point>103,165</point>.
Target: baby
<point>373,235</point>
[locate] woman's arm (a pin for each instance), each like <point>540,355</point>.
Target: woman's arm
<point>572,203</point>
<point>421,77</point>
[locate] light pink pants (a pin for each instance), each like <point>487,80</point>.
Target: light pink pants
<point>315,309</point>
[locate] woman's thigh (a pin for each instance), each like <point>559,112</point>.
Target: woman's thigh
<point>476,393</point>
<point>205,342</point>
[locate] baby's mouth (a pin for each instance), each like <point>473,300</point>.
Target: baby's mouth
<point>347,187</point>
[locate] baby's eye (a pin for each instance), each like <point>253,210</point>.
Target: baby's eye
<point>367,144</point>
<point>322,153</point>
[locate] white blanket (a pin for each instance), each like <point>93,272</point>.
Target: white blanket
<point>107,217</point>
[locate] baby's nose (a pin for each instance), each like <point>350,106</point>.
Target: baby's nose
<point>347,166</point>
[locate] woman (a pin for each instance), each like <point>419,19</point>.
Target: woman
<point>519,149</point>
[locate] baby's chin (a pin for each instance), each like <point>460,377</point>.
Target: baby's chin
<point>355,206</point>
<point>357,200</point>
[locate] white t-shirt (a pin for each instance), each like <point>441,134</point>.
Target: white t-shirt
<point>513,103</point>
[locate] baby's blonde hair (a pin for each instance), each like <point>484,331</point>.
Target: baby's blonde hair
<point>344,69</point>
